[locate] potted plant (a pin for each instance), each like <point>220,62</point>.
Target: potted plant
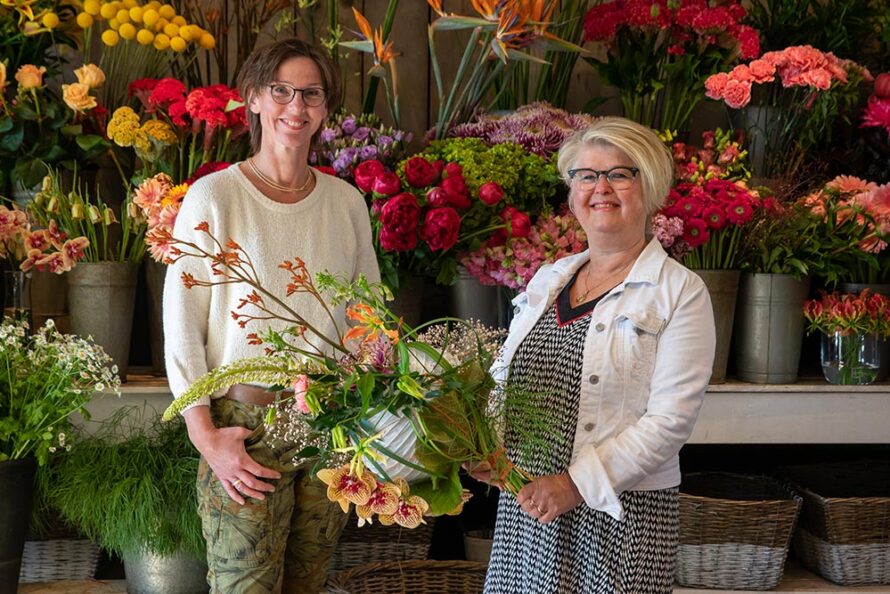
<point>853,327</point>
<point>131,488</point>
<point>43,379</point>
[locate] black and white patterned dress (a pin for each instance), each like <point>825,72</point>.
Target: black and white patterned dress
<point>583,551</point>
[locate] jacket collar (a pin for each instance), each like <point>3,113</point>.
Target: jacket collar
<point>545,285</point>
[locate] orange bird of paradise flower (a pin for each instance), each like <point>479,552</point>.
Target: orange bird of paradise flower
<point>383,52</point>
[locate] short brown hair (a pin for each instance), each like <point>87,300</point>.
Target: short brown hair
<point>259,70</point>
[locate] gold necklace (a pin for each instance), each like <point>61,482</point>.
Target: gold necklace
<point>590,288</point>
<point>275,184</point>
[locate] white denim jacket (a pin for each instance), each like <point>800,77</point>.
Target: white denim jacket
<point>647,362</point>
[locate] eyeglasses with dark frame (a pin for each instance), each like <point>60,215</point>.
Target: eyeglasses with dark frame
<point>620,178</point>
<point>283,93</point>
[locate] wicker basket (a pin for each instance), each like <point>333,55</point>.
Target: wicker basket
<point>411,577</point>
<point>844,531</point>
<point>54,560</point>
<point>376,542</point>
<point>734,531</point>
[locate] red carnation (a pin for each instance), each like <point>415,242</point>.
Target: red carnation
<point>440,228</point>
<point>420,173</point>
<point>490,193</point>
<point>386,184</point>
<point>366,172</point>
<point>167,91</point>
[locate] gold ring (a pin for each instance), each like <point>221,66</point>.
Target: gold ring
<point>540,511</point>
<point>236,482</point>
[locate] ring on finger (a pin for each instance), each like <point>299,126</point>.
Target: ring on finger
<point>540,511</point>
<point>236,482</point>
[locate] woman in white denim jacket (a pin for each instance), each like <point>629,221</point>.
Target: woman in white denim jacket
<point>618,343</point>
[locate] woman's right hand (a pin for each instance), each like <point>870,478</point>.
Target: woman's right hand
<point>223,449</point>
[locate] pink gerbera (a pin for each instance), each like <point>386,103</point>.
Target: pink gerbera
<point>848,184</point>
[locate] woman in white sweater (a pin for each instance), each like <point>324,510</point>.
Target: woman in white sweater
<point>269,527</point>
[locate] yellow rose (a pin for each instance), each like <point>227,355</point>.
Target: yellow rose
<point>30,76</point>
<point>77,97</point>
<point>90,75</point>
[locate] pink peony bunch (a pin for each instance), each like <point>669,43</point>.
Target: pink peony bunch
<point>513,263</point>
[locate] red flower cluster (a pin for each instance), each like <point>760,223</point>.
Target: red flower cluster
<point>428,205</point>
<point>688,24</point>
<point>214,105</point>
<point>847,313</point>
<point>710,207</point>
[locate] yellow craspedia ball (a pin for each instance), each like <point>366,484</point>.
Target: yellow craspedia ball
<point>171,30</point>
<point>127,31</point>
<point>161,42</point>
<point>207,41</point>
<point>145,37</point>
<point>50,20</point>
<point>123,16</point>
<point>167,11</point>
<point>179,20</point>
<point>154,5</point>
<point>114,24</point>
<point>136,14</point>
<point>187,33</point>
<point>84,20</point>
<point>108,10</point>
<point>92,7</point>
<point>178,44</point>
<point>150,16</point>
<point>129,3</point>
<point>110,38</point>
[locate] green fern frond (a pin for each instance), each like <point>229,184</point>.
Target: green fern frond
<point>256,370</point>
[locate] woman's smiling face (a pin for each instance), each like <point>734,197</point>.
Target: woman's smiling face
<point>603,210</point>
<point>295,123</point>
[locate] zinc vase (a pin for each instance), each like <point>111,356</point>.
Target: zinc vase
<point>407,300</point>
<point>723,286</point>
<point>769,327</point>
<point>101,298</point>
<point>155,273</point>
<point>17,299</point>
<point>851,359</point>
<point>470,299</point>
<point>179,573</point>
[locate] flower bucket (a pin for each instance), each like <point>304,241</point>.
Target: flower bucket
<point>470,299</point>
<point>16,494</point>
<point>178,573</point>
<point>769,332</point>
<point>155,272</point>
<point>101,297</point>
<point>723,286</point>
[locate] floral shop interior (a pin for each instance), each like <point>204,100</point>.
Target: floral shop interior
<point>443,131</point>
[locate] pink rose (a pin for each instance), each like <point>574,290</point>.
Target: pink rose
<point>419,172</point>
<point>490,193</point>
<point>386,184</point>
<point>366,172</point>
<point>440,228</point>
<point>301,386</point>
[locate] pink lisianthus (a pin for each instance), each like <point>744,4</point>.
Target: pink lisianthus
<point>301,388</point>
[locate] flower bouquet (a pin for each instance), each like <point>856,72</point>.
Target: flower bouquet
<point>391,413</point>
<point>660,53</point>
<point>539,128</point>
<point>44,249</point>
<point>347,140</point>
<point>853,227</point>
<point>513,264</point>
<point>806,90</point>
<point>43,379</point>
<point>854,328</point>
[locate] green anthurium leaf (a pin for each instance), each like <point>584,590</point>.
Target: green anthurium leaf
<point>444,497</point>
<point>454,23</point>
<point>30,172</point>
<point>88,141</point>
<point>10,141</point>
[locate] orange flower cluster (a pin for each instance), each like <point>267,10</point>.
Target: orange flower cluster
<point>391,502</point>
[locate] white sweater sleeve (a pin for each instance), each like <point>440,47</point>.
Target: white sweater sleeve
<point>186,311</point>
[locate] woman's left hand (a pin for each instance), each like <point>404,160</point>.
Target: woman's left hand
<point>548,497</point>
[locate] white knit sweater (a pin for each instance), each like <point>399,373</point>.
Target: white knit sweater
<point>329,230</point>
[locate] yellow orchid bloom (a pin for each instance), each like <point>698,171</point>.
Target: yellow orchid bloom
<point>410,509</point>
<point>383,501</point>
<point>23,7</point>
<point>345,487</point>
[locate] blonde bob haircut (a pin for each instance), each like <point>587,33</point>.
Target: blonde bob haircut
<point>646,151</point>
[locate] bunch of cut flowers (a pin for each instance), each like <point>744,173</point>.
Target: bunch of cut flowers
<point>387,413</point>
<point>347,140</point>
<point>514,262</point>
<point>876,130</point>
<point>42,249</point>
<point>538,127</point>
<point>43,379</point>
<point>658,54</point>
<point>807,90</point>
<point>854,228</point>
<point>721,156</point>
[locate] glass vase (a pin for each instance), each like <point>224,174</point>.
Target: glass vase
<point>16,304</point>
<point>851,359</point>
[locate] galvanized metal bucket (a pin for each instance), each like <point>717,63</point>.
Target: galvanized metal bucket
<point>179,573</point>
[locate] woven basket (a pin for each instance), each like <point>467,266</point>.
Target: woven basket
<point>734,531</point>
<point>376,542</point>
<point>844,531</point>
<point>54,560</point>
<point>411,577</point>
